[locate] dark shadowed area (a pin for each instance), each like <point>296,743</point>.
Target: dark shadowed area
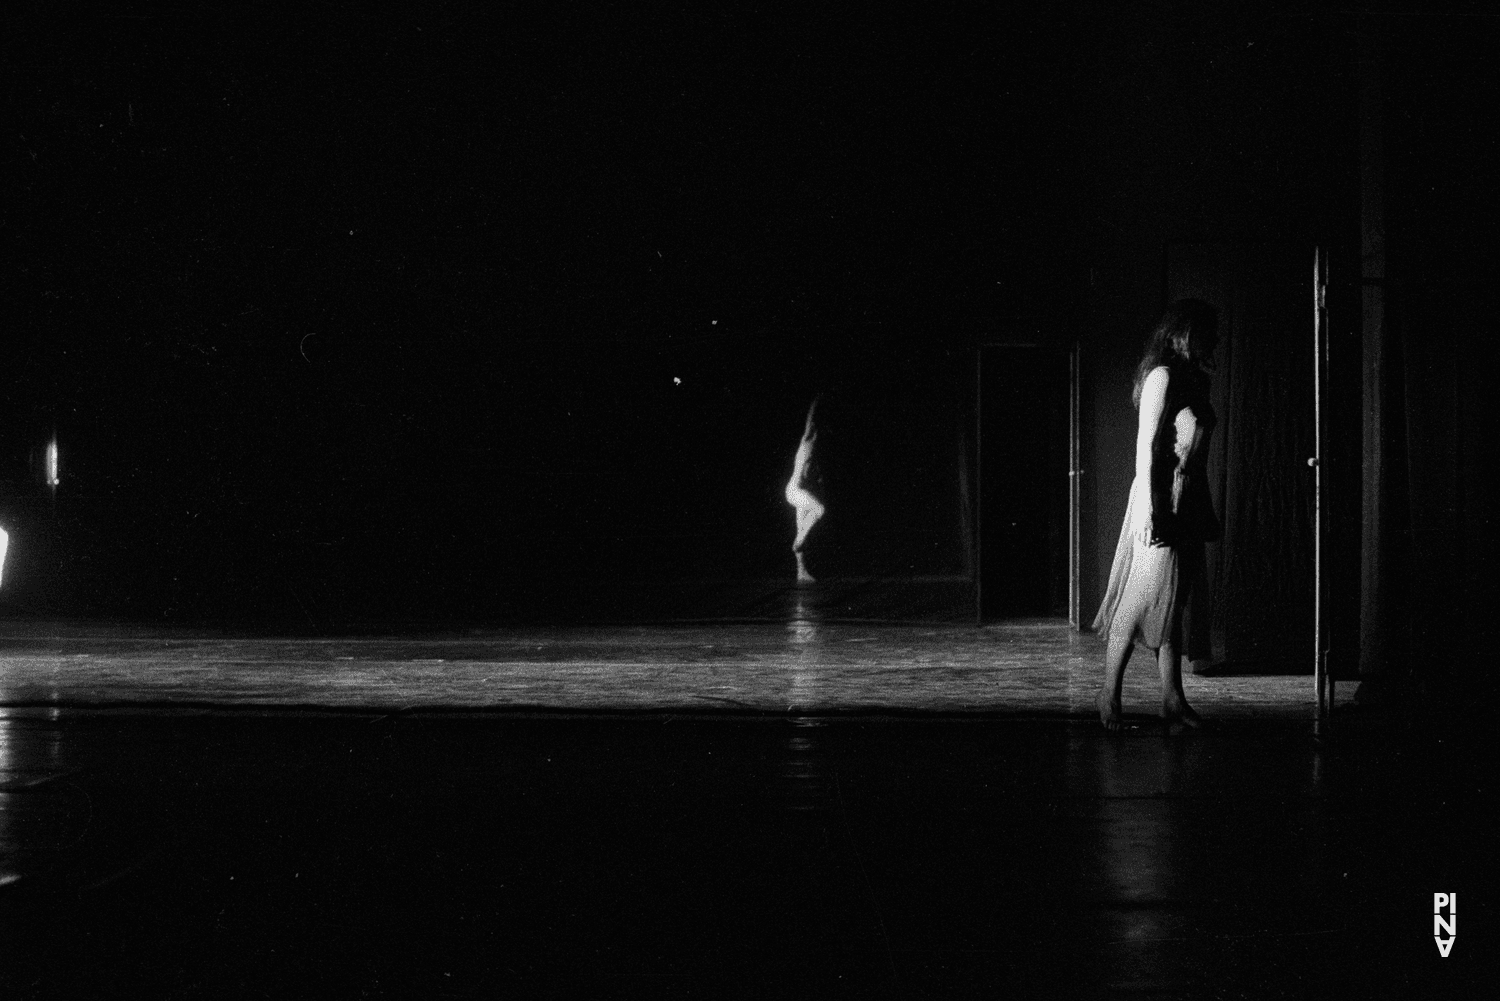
<point>378,317</point>
<point>394,427</point>
<point>422,856</point>
<point>341,320</point>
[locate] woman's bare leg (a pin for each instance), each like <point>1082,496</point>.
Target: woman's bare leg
<point>809,510</point>
<point>804,525</point>
<point>1174,707</point>
<point>1116,655</point>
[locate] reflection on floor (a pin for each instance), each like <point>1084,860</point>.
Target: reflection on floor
<point>800,665</point>
<point>208,854</point>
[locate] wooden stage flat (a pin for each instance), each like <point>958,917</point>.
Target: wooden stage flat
<point>798,666</point>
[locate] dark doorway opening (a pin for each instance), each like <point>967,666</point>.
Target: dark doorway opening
<point>1024,496</point>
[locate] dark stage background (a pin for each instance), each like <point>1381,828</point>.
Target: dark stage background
<point>347,319</point>
<point>370,316</point>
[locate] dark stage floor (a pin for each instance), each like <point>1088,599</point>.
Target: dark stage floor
<point>801,665</point>
<point>210,855</point>
<point>686,849</point>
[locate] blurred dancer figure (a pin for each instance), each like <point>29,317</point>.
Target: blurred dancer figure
<point>809,508</point>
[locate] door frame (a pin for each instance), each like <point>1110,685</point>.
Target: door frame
<point>1074,470</point>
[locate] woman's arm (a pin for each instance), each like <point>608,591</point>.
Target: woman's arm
<point>1153,403</point>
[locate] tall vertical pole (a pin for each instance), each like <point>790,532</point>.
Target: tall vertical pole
<point>1075,597</point>
<point>1321,679</point>
<point>978,485</point>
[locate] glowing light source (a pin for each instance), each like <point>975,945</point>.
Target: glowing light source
<point>52,466</point>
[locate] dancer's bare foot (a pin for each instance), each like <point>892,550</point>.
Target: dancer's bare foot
<point>1178,715</point>
<point>1109,712</point>
<point>803,577</point>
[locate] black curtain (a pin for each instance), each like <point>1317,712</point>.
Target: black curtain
<point>1429,128</point>
<point>1259,613</point>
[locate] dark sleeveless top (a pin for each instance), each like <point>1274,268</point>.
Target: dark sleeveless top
<point>1181,505</point>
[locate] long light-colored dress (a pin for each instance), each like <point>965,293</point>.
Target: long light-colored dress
<point>1150,586</point>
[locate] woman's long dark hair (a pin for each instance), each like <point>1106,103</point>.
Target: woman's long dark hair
<point>1182,320</point>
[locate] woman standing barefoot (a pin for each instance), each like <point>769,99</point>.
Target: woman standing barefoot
<point>809,508</point>
<point>1159,561</point>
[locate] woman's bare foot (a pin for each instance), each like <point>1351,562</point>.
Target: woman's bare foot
<point>803,577</point>
<point>1178,715</point>
<point>1109,712</point>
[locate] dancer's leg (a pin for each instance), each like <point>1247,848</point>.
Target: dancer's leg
<point>1116,655</point>
<point>809,510</point>
<point>1174,707</point>
<point>804,525</point>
